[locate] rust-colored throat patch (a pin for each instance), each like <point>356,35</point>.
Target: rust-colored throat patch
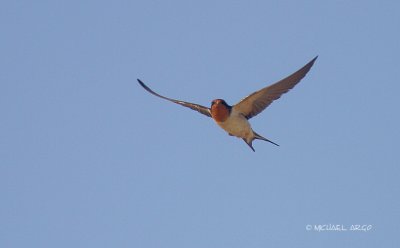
<point>219,111</point>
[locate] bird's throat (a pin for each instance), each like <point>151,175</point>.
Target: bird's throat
<point>220,112</point>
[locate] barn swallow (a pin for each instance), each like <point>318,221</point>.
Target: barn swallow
<point>234,119</point>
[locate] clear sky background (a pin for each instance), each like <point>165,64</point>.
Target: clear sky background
<point>90,159</point>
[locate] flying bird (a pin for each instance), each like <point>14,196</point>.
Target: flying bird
<point>234,119</point>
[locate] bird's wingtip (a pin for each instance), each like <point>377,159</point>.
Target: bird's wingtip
<point>315,58</point>
<point>142,84</point>
<point>145,86</point>
<point>311,63</point>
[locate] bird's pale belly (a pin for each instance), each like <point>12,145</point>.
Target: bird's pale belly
<point>237,125</point>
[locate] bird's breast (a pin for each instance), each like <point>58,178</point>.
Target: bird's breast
<point>219,113</point>
<point>237,125</point>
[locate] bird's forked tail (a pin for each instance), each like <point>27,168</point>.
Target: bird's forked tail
<point>257,136</point>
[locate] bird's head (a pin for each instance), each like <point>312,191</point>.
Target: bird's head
<point>220,110</point>
<point>220,102</point>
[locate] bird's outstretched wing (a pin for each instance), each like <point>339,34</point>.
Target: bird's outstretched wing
<point>256,102</point>
<point>197,107</point>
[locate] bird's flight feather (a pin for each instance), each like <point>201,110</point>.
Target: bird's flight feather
<point>256,102</point>
<point>197,107</point>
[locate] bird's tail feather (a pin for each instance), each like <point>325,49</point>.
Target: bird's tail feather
<point>250,144</point>
<point>257,136</point>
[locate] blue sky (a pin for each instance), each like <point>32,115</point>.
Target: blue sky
<point>90,159</point>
